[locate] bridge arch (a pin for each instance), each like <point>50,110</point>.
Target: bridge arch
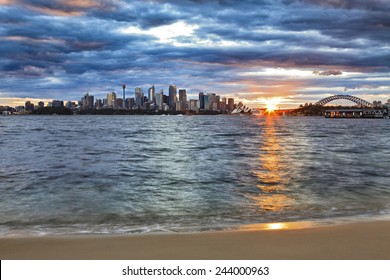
<point>355,99</point>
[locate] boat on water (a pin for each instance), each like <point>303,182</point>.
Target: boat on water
<point>365,113</point>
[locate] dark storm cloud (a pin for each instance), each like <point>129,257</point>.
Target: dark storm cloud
<point>80,41</point>
<point>292,26</point>
<point>143,14</point>
<point>358,21</point>
<point>73,44</point>
<point>347,4</point>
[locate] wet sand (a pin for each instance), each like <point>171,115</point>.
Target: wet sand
<point>369,240</point>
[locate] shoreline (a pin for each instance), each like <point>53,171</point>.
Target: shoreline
<point>354,240</point>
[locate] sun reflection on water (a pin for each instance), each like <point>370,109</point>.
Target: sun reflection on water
<point>276,226</point>
<point>271,183</point>
<point>279,226</point>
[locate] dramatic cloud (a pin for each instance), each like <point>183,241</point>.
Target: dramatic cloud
<point>328,73</point>
<point>245,49</point>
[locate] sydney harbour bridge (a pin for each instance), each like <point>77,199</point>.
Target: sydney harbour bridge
<point>366,110</point>
<point>357,100</point>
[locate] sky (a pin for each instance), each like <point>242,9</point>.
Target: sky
<point>289,51</point>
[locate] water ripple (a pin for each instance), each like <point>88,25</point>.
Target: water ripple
<point>118,174</point>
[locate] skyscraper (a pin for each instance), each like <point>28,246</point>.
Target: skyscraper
<point>230,104</point>
<point>172,96</point>
<point>118,103</point>
<point>130,103</point>
<point>98,104</point>
<point>218,102</point>
<point>151,92</point>
<point>201,101</point>
<point>159,100</point>
<point>139,98</point>
<point>212,102</point>
<point>206,103</point>
<point>110,99</point>
<point>183,99</point>
<point>87,102</point>
<point>223,104</point>
<point>193,105</point>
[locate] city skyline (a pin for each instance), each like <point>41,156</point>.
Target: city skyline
<point>140,102</point>
<point>288,51</point>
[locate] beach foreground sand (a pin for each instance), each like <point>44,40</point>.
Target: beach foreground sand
<point>370,240</point>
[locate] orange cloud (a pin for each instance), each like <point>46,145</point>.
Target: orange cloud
<point>268,88</point>
<point>7,2</point>
<point>54,12</point>
<point>256,93</point>
<point>65,7</point>
<point>80,3</point>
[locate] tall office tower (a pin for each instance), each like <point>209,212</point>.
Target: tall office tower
<point>212,102</point>
<point>165,99</point>
<point>222,104</point>
<point>118,103</point>
<point>218,102</point>
<point>230,104</point>
<point>87,102</point>
<point>110,99</point>
<point>151,93</point>
<point>183,99</point>
<point>98,104</point>
<point>130,102</point>
<point>124,91</point>
<point>159,100</point>
<point>193,105</point>
<point>139,97</point>
<point>206,103</point>
<point>172,96</point>
<point>201,101</point>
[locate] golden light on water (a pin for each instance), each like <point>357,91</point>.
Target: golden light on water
<point>276,226</point>
<point>279,226</point>
<point>272,196</point>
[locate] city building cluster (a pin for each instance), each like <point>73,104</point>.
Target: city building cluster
<point>175,101</point>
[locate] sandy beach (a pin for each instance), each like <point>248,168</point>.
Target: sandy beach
<point>369,240</point>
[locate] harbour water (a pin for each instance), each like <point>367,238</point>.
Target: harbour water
<point>135,174</point>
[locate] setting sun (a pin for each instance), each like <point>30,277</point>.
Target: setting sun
<point>271,104</point>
